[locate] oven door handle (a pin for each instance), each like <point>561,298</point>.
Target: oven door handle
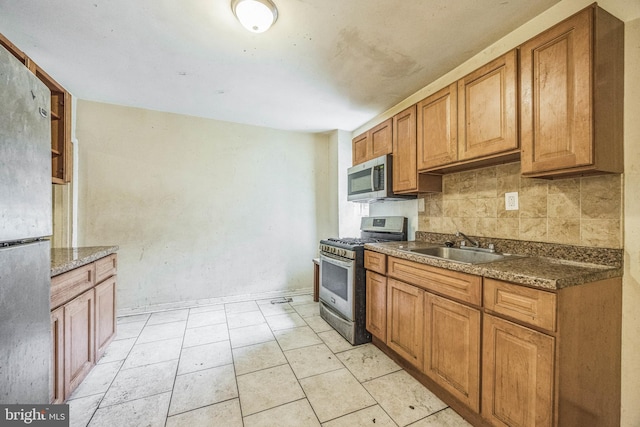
<point>337,261</point>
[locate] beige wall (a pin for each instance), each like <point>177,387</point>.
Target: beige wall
<point>631,280</point>
<point>200,208</point>
<point>629,12</point>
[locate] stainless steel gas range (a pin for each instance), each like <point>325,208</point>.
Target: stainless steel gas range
<point>342,275</point>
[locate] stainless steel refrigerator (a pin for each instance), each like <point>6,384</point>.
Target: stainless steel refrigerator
<point>25,220</point>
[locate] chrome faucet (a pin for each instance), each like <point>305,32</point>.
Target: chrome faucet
<point>475,243</point>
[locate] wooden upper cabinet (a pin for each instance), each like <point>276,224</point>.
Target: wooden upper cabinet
<point>437,128</point>
<point>61,148</point>
<point>472,122</point>
<point>571,97</point>
<point>406,178</point>
<point>60,112</point>
<point>488,109</point>
<point>373,143</point>
<point>359,147</point>
<point>381,138</point>
<point>405,169</point>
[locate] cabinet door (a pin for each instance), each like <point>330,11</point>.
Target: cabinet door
<point>57,361</point>
<point>405,167</point>
<point>359,146</point>
<point>517,375</point>
<point>79,353</point>
<point>487,109</point>
<point>376,319</point>
<point>555,97</point>
<point>105,315</point>
<point>437,128</point>
<point>381,139</point>
<point>405,310</point>
<point>452,348</point>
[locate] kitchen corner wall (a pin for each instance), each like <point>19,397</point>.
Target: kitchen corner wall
<point>580,211</point>
<point>200,208</point>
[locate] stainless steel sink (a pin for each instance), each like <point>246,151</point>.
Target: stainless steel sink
<point>465,256</point>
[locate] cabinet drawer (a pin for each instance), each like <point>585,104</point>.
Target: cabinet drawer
<point>532,306</point>
<point>106,267</point>
<point>375,261</point>
<point>69,285</point>
<point>460,286</point>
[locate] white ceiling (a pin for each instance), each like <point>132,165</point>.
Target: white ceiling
<point>324,65</point>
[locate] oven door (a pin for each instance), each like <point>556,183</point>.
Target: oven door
<point>336,283</point>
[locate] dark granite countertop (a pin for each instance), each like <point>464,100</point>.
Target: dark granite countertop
<point>65,259</point>
<point>536,271</point>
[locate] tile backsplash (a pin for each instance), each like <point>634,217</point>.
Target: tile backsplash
<point>577,211</point>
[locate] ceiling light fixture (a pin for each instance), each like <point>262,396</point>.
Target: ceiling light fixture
<point>256,16</point>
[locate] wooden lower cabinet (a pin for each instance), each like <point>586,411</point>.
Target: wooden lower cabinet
<point>105,315</point>
<point>452,348</point>
<point>83,323</point>
<point>57,360</point>
<point>518,376</point>
<point>376,319</point>
<point>504,354</point>
<point>405,311</point>
<point>375,261</point>
<point>79,350</point>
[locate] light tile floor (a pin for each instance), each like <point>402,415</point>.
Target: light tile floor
<point>254,363</point>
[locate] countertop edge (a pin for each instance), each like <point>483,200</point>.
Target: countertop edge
<point>67,259</point>
<point>510,270</point>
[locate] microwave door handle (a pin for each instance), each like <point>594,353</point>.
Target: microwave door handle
<point>373,181</point>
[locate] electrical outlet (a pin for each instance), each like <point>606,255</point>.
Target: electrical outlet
<point>511,201</point>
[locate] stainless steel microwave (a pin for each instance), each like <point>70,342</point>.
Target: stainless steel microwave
<point>371,181</point>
